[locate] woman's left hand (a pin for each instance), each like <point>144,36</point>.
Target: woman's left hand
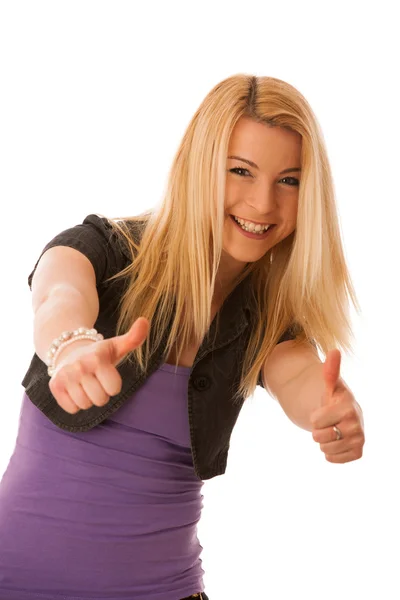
<point>340,408</point>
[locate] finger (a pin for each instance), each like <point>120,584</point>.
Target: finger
<point>344,457</point>
<point>331,372</point>
<point>71,376</point>
<point>79,395</point>
<point>109,379</point>
<point>107,375</point>
<point>94,390</point>
<point>348,443</point>
<point>336,447</point>
<point>120,345</point>
<point>327,435</point>
<point>327,416</point>
<point>62,397</point>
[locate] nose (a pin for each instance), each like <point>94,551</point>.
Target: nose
<point>262,199</point>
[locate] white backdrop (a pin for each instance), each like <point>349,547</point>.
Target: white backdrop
<point>95,98</point>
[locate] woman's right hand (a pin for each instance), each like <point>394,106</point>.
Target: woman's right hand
<point>86,373</point>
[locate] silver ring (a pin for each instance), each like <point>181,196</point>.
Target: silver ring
<point>339,434</point>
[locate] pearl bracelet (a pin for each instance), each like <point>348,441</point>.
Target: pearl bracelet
<point>65,339</point>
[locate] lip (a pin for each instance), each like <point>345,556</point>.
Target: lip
<point>253,236</point>
<point>251,221</point>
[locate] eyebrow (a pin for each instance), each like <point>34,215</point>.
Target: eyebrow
<point>252,164</point>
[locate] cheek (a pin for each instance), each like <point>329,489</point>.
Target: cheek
<point>231,194</point>
<point>289,212</point>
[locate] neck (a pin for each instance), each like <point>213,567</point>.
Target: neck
<point>228,271</point>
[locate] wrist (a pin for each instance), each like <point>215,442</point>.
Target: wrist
<point>66,339</point>
<point>65,351</point>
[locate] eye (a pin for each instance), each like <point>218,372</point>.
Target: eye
<point>240,171</point>
<point>293,179</point>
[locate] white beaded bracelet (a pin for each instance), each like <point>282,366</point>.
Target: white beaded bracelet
<point>66,338</point>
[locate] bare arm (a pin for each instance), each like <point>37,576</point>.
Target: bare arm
<point>302,395</point>
<point>293,375</point>
<point>314,397</point>
<point>64,296</point>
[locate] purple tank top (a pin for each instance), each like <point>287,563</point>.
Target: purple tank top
<point>108,513</point>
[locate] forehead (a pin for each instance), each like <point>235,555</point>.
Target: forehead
<point>253,140</point>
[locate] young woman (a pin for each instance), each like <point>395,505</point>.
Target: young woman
<point>151,331</point>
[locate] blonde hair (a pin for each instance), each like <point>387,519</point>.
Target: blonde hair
<point>302,282</point>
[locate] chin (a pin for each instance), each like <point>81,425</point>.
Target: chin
<point>241,255</point>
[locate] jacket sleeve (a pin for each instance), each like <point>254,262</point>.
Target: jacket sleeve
<point>92,237</point>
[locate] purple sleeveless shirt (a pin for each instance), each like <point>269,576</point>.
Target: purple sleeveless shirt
<point>108,513</point>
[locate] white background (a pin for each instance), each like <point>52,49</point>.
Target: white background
<point>95,97</point>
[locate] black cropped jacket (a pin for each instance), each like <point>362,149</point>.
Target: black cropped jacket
<point>214,377</point>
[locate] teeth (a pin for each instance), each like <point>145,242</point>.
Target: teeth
<point>251,227</point>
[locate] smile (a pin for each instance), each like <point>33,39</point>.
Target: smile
<point>251,230</point>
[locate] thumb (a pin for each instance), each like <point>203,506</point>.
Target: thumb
<point>331,373</point>
<point>120,345</point>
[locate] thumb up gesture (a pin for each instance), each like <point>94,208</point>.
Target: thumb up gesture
<point>86,374</point>
<point>338,424</point>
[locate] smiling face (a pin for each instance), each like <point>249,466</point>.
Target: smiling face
<point>262,179</point>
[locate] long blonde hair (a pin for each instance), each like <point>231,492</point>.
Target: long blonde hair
<point>302,282</point>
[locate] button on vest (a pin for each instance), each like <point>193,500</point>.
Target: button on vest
<point>201,383</point>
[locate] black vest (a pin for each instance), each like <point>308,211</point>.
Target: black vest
<point>214,377</point>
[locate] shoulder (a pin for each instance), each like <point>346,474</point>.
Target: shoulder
<point>125,232</point>
<point>100,241</point>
